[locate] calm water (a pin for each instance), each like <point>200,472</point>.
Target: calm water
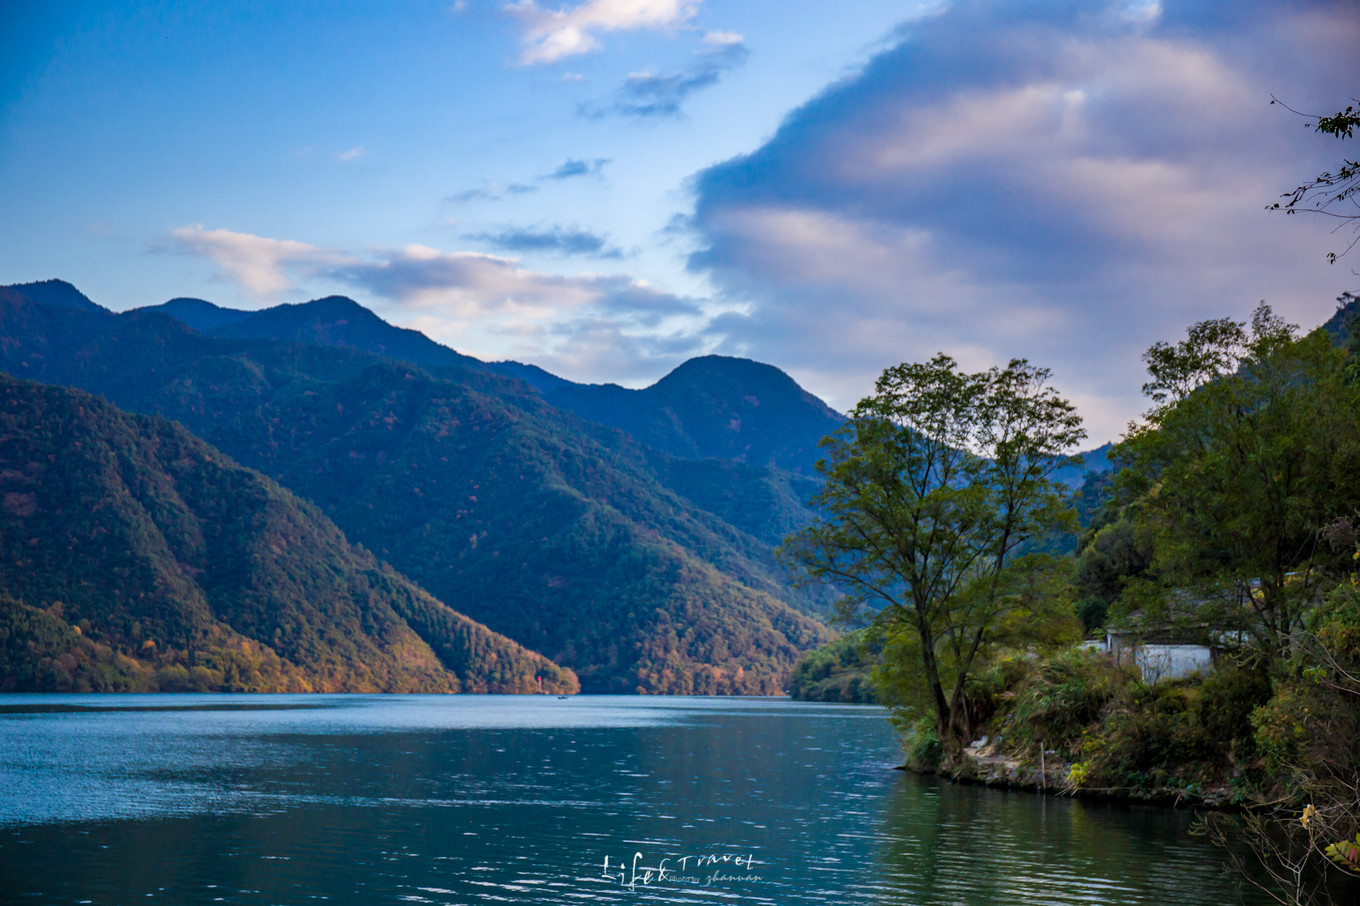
<point>471,799</point>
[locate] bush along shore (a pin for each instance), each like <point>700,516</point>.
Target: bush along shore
<point>1079,723</point>
<point>1266,751</point>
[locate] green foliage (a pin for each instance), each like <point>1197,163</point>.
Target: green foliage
<point>1058,699</point>
<point>1253,445</point>
<point>932,491</point>
<point>1113,563</point>
<point>1119,733</point>
<point>1306,732</point>
<point>839,671</point>
<point>921,745</point>
<point>1345,854</point>
<point>41,652</point>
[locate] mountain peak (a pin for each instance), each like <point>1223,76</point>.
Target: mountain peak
<point>327,307</point>
<point>56,292</point>
<point>336,303</point>
<point>340,321</point>
<point>714,407</point>
<point>200,314</point>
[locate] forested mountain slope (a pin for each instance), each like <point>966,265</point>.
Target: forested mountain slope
<point>134,556</point>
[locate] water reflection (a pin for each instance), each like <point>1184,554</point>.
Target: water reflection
<point>371,799</point>
<point>944,843</point>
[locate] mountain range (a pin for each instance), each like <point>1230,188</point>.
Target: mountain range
<point>713,407</point>
<point>623,537</point>
<point>612,558</point>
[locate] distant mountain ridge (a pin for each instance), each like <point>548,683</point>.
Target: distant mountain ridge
<point>1088,462</point>
<point>199,314</point>
<point>56,292</point>
<point>712,407</point>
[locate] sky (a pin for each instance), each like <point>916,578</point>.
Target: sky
<point>610,187</point>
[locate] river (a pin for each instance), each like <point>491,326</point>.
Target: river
<point>533,799</point>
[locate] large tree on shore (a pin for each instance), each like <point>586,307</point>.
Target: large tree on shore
<point>933,489</point>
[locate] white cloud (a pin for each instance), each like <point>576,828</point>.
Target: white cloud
<point>1031,180</point>
<point>466,285</point>
<point>594,326</point>
<point>264,267</point>
<point>352,154</point>
<point>552,35</point>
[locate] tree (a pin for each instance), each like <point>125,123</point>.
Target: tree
<point>1252,445</point>
<point>1333,194</point>
<point>933,488</point>
<point>1309,851</point>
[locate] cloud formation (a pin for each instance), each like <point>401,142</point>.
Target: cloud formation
<point>573,168</point>
<point>557,240</point>
<point>1065,182</point>
<point>648,94</point>
<point>471,284</point>
<point>588,327</point>
<point>490,192</point>
<point>591,326</point>
<point>263,267</point>
<point>553,35</point>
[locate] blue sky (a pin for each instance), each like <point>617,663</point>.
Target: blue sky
<point>607,188</point>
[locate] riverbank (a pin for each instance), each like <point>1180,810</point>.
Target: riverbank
<point>984,766</point>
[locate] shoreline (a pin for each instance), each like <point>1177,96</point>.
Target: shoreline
<point>983,767</point>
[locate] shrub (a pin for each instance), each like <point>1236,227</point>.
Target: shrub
<point>922,744</point>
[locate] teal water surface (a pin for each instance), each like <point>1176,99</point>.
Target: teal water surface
<point>533,799</point>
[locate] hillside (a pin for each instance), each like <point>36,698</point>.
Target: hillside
<point>135,557</point>
<point>713,407</point>
<point>554,532</point>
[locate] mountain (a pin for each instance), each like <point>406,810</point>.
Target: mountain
<point>1088,462</point>
<point>553,531</point>
<point>342,322</point>
<point>714,407</point>
<point>199,314</point>
<point>336,321</point>
<point>541,380</point>
<point>768,505</point>
<point>134,556</point>
<point>56,292</point>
